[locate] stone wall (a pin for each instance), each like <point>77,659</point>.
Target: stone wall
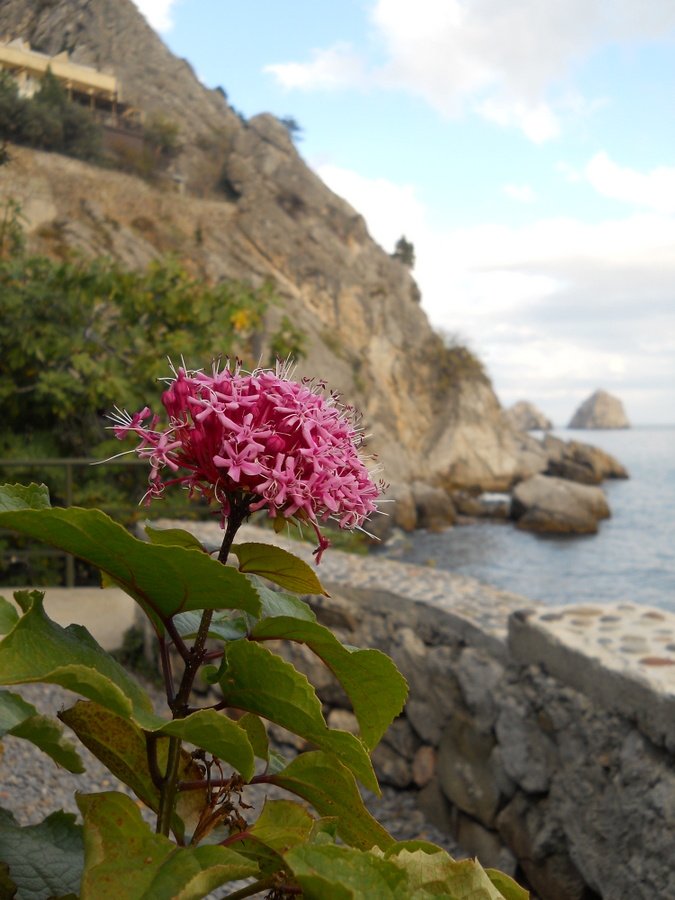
<point>542,739</point>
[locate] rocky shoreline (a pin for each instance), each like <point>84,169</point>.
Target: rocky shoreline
<point>562,495</point>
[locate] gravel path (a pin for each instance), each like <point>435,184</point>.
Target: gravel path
<point>32,786</point>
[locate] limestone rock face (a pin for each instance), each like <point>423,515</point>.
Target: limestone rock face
<point>277,221</point>
<point>556,505</point>
<point>601,410</point>
<point>523,416</point>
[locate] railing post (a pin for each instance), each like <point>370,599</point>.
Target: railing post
<point>70,560</point>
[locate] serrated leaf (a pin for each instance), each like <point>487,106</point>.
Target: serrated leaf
<point>8,616</point>
<point>124,859</point>
<point>221,628</point>
<point>281,824</point>
<point>329,871</point>
<point>21,496</point>
<point>164,580</point>
<point>173,537</point>
<point>13,710</point>
<point>375,687</point>
<point>48,736</point>
<point>324,831</point>
<point>121,747</point>
<point>218,735</point>
<point>278,603</point>
<point>438,874</point>
<point>278,566</point>
<point>38,649</point>
<point>508,888</point>
<point>45,860</point>
<point>257,735</point>
<point>258,681</point>
<point>323,781</point>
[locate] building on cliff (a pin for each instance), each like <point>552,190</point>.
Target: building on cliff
<point>100,92</point>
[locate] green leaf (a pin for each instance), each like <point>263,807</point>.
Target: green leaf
<point>122,747</point>
<point>257,735</point>
<point>278,566</point>
<point>221,628</point>
<point>124,859</point>
<point>20,496</point>
<point>218,735</point>
<point>375,687</point>
<point>258,681</point>
<point>164,580</point>
<point>44,860</point>
<point>8,616</point>
<point>330,787</point>
<point>172,537</point>
<point>508,888</point>
<point>38,649</point>
<point>438,874</point>
<point>277,603</point>
<point>13,710</point>
<point>48,735</point>
<point>281,824</point>
<point>329,871</point>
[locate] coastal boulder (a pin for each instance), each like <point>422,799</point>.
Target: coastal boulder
<point>580,462</point>
<point>555,505</point>
<point>601,410</point>
<point>433,506</point>
<point>524,416</point>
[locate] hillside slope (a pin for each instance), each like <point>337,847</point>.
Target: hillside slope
<point>431,417</point>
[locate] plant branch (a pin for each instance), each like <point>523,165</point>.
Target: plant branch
<point>153,765</point>
<point>263,885</point>
<point>239,510</point>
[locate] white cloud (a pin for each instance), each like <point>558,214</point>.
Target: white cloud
<point>157,13</point>
<point>556,308</point>
<point>511,62</point>
<point>523,193</point>
<point>393,210</point>
<point>654,190</point>
<point>336,67</point>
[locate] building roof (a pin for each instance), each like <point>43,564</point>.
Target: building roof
<point>18,56</point>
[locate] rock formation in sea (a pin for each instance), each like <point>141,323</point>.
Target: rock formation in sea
<point>524,416</point>
<point>600,410</point>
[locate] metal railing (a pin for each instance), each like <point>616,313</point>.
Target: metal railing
<point>69,464</point>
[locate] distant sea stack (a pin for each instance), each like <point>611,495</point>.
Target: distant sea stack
<point>523,416</point>
<point>601,410</point>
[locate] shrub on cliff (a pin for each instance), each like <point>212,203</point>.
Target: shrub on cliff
<point>48,120</point>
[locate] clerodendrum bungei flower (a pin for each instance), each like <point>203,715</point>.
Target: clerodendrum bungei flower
<point>287,446</point>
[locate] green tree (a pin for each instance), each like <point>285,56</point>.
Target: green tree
<point>292,127</point>
<point>75,336</point>
<point>404,252</point>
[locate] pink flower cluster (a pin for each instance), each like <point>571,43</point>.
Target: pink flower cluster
<point>291,447</point>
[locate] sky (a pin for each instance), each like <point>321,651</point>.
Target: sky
<point>525,148</point>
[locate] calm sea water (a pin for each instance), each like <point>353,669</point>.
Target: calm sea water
<point>632,558</point>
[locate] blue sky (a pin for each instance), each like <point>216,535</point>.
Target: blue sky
<point>527,149</point>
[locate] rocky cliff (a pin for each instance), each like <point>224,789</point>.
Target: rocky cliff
<point>524,416</point>
<point>431,416</point>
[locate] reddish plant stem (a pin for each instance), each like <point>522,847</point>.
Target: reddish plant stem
<point>239,509</point>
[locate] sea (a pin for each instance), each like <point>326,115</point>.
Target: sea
<point>631,558</point>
